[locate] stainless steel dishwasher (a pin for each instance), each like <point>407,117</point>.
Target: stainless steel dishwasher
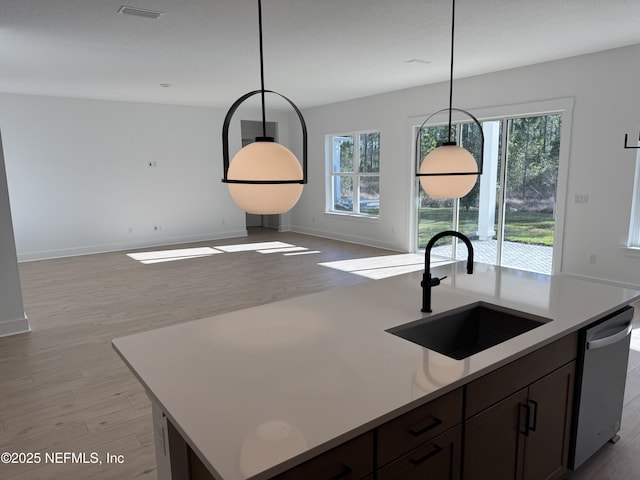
<point>602,373</point>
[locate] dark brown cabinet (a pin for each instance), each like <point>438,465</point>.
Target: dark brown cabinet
<point>423,443</point>
<point>493,441</point>
<point>417,427</point>
<point>547,445</point>
<point>526,435</point>
<point>438,459</point>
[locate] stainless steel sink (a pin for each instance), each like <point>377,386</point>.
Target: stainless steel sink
<point>461,333</point>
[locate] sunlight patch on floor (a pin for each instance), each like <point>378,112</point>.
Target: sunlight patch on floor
<point>635,339</point>
<point>161,256</point>
<point>249,247</point>
<point>282,250</point>
<point>383,266</point>
<point>635,333</point>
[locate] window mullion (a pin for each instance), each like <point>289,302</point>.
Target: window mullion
<point>503,189</point>
<point>456,201</point>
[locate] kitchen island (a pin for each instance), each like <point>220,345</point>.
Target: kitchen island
<point>256,392</point>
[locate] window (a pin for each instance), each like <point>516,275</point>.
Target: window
<point>353,161</point>
<point>634,225</point>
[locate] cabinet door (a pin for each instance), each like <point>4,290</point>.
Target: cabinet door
<point>438,459</point>
<point>494,440</point>
<point>547,447</point>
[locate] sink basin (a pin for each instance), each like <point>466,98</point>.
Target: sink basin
<point>462,333</point>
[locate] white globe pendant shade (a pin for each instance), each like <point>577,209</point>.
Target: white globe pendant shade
<point>265,161</point>
<point>448,159</point>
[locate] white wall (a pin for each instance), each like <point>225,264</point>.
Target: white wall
<point>79,181</point>
<point>606,106</point>
<point>12,316</point>
<point>388,114</point>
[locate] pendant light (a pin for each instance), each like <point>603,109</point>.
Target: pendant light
<point>264,177</point>
<point>449,171</point>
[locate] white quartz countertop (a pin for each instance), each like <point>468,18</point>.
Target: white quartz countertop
<point>257,391</point>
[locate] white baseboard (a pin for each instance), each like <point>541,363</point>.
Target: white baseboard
<point>346,238</point>
<point>116,247</point>
<point>14,327</point>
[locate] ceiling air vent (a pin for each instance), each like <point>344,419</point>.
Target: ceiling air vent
<point>139,12</point>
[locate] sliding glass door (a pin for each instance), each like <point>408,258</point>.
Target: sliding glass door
<point>531,181</point>
<point>510,213</point>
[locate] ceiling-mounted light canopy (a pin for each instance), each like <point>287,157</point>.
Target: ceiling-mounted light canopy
<point>264,177</point>
<point>449,171</point>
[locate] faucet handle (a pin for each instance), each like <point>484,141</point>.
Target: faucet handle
<point>434,282</point>
<point>428,281</point>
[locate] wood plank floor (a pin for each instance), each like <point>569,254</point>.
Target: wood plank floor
<point>63,389</point>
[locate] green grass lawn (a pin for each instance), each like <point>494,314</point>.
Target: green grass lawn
<point>533,228</point>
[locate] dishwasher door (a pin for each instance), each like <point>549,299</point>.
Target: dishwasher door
<point>601,380</point>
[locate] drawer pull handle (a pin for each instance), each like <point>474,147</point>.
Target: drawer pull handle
<point>436,450</point>
<point>345,472</point>
<point>423,430</point>
<point>532,427</point>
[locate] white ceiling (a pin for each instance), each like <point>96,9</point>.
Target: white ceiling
<point>316,52</point>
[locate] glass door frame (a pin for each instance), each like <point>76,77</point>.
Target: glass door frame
<point>562,106</point>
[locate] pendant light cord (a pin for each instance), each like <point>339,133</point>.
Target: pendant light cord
<point>453,16</point>
<point>264,118</point>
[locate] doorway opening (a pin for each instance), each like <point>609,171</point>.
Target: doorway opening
<point>250,129</point>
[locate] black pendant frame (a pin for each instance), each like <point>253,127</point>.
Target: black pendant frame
<point>626,137</point>
<point>225,142</point>
<point>450,110</point>
<point>264,137</point>
<point>480,161</point>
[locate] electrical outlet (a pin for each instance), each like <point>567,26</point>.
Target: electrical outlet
<point>157,228</point>
<point>592,258</point>
<point>581,198</point>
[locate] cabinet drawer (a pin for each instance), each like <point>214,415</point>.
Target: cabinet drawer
<point>501,383</point>
<point>353,460</point>
<point>418,426</point>
<point>438,459</point>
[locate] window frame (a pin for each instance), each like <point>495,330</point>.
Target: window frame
<point>563,106</point>
<point>633,241</point>
<point>356,175</point>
